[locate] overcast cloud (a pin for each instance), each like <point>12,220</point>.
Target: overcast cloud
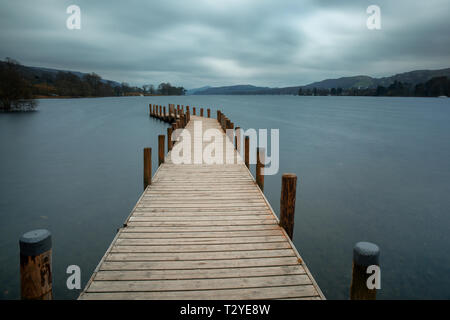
<point>213,42</point>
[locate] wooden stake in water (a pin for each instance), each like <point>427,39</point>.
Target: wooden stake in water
<point>287,202</point>
<point>36,265</point>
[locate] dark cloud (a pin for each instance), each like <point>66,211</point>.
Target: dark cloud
<point>194,43</point>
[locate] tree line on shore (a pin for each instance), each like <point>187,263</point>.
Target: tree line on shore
<point>19,87</point>
<point>435,87</point>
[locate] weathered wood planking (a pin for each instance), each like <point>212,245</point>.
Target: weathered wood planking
<point>202,232</point>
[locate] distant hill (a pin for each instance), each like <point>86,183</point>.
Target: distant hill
<point>38,74</point>
<point>357,82</point>
<point>197,90</point>
<point>237,89</point>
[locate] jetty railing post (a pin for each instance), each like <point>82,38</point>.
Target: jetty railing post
<point>287,202</point>
<point>36,265</point>
<point>147,167</point>
<point>260,167</point>
<point>209,113</point>
<point>201,112</point>
<point>193,111</point>
<point>247,151</point>
<point>164,116</point>
<point>169,138</point>
<point>238,139</point>
<point>161,139</point>
<point>365,254</point>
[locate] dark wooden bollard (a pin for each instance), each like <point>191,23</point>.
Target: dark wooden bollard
<point>365,254</point>
<point>36,265</point>
<point>193,111</point>
<point>260,167</point>
<point>237,139</point>
<point>287,202</point>
<point>147,167</point>
<point>247,151</point>
<point>164,115</point>
<point>161,138</point>
<point>201,112</point>
<point>218,116</point>
<point>169,138</point>
<point>187,108</point>
<point>209,113</point>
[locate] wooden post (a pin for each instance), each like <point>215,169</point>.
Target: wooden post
<point>174,139</point>
<point>36,265</point>
<point>260,167</point>
<point>164,116</point>
<point>287,202</point>
<point>147,167</point>
<point>193,111</point>
<point>209,113</point>
<point>237,139</point>
<point>201,112</point>
<point>187,108</point>
<point>169,138</point>
<point>365,254</point>
<point>247,151</point>
<point>161,138</point>
<point>218,115</point>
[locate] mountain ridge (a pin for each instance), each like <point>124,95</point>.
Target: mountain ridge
<point>360,81</point>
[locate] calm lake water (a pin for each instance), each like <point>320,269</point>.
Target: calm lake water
<point>373,169</point>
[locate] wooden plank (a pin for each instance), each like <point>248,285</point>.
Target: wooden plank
<point>213,234</point>
<point>198,284</point>
<point>227,294</point>
<point>198,273</point>
<point>198,264</point>
<point>195,256</point>
<point>128,240</point>
<point>200,247</point>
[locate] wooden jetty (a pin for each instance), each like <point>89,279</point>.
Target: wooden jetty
<point>203,231</point>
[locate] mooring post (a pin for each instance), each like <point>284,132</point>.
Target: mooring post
<point>147,167</point>
<point>365,254</point>
<point>164,116</point>
<point>287,202</point>
<point>193,111</point>
<point>169,138</point>
<point>201,112</point>
<point>218,116</point>
<point>209,113</point>
<point>247,151</point>
<point>161,138</point>
<point>260,152</point>
<point>174,136</point>
<point>187,108</point>
<point>36,265</point>
<point>237,139</point>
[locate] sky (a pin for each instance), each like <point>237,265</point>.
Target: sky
<point>193,43</point>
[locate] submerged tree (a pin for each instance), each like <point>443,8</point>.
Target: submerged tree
<point>15,91</point>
